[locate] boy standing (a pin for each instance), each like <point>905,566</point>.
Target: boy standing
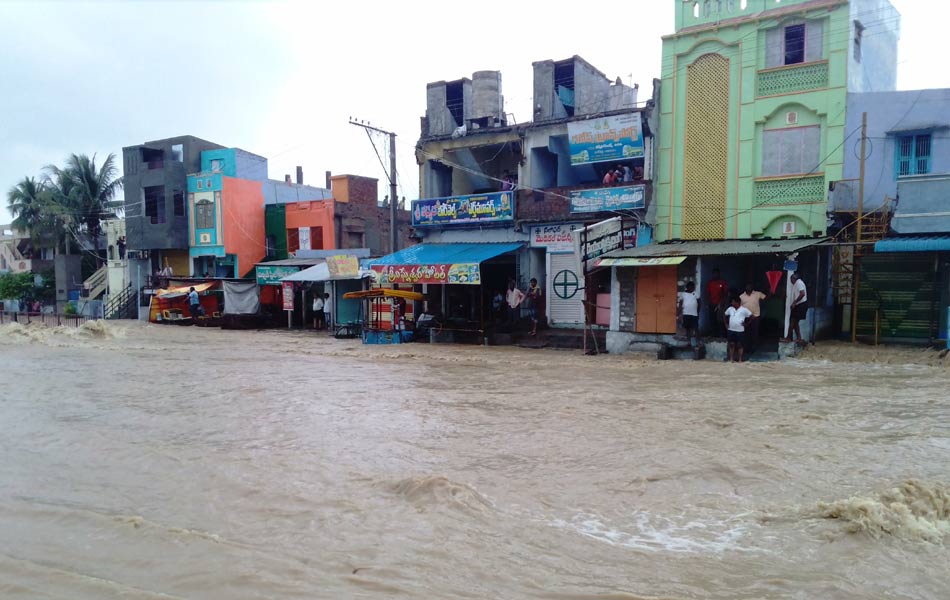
<point>735,320</point>
<point>687,305</point>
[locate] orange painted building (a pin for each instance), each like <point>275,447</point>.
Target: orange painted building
<point>309,225</point>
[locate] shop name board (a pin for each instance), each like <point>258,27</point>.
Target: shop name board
<point>629,197</point>
<point>606,139</point>
<point>600,238</point>
<point>343,266</point>
<point>439,274</point>
<point>271,275</point>
<point>287,292</point>
<point>464,210</point>
<point>558,239</point>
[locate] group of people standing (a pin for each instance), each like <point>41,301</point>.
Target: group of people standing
<point>738,320</point>
<point>322,311</point>
<point>514,301</point>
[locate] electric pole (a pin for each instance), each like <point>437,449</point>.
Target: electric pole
<point>858,234</point>
<point>393,215</point>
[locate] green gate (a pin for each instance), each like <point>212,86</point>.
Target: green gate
<point>901,289</point>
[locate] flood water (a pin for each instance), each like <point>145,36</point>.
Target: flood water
<point>179,462</point>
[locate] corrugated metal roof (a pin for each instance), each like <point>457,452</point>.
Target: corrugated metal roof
<point>716,248</point>
<point>930,243</point>
<point>446,254</point>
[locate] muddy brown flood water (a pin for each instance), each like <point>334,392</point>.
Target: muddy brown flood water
<point>166,462</point>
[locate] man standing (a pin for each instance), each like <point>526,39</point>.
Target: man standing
<point>319,321</point>
<point>531,301</point>
<point>736,318</point>
<point>799,309</point>
<point>194,304</point>
<point>328,312</point>
<point>513,298</point>
<point>717,290</point>
<point>687,305</point>
<point>751,299</point>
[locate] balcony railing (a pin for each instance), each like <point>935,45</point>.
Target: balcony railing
<point>792,79</point>
<point>778,191</point>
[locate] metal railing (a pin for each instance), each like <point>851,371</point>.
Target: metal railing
<point>122,305</point>
<point>48,319</point>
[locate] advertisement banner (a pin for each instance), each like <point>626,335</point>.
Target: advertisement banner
<point>464,210</point>
<point>459,273</point>
<point>599,239</point>
<point>272,275</point>
<point>287,291</point>
<point>629,197</point>
<point>558,239</point>
<point>606,139</point>
<point>343,266</point>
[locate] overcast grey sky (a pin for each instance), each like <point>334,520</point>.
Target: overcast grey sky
<point>281,78</point>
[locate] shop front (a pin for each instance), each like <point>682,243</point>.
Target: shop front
<point>458,281</point>
<point>339,275</point>
<point>276,295</point>
<point>646,282</point>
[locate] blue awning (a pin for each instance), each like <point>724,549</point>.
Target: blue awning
<point>930,243</point>
<point>443,254</point>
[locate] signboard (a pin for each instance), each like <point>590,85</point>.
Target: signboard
<point>605,139</point>
<point>287,291</point>
<point>655,261</point>
<point>615,198</point>
<point>464,210</point>
<point>460,273</point>
<point>558,239</point>
<point>343,266</point>
<point>271,275</point>
<point>599,239</point>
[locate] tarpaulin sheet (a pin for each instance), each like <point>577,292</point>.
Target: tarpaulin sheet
<point>241,298</point>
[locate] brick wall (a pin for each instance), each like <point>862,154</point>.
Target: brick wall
<point>628,298</point>
<point>357,211</point>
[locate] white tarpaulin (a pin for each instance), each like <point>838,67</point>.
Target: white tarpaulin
<point>241,298</point>
<point>321,272</point>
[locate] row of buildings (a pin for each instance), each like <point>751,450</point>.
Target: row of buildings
<point>746,158</point>
<point>773,140</point>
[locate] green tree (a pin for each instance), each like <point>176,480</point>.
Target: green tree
<point>28,203</point>
<point>83,195</point>
<point>16,286</point>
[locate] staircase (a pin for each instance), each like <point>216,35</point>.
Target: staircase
<point>856,240</point>
<point>123,305</point>
<point>97,283</point>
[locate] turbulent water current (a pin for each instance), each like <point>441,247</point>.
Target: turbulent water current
<point>177,462</point>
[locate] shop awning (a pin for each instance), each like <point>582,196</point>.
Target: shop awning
<point>931,243</point>
<point>639,262</point>
<point>438,263</point>
<point>174,292</point>
<point>322,272</point>
<point>715,248</point>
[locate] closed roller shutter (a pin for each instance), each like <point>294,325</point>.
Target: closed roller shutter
<point>901,289</point>
<point>560,311</point>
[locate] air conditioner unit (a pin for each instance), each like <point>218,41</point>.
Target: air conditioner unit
<point>791,118</point>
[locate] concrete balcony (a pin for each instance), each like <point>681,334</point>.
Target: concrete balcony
<point>790,190</point>
<point>792,79</point>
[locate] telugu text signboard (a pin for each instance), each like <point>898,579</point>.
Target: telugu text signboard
<point>605,139</point>
<point>343,266</point>
<point>459,273</point>
<point>271,275</point>
<point>464,210</point>
<point>599,239</point>
<point>558,239</point>
<point>287,292</point>
<point>629,197</point>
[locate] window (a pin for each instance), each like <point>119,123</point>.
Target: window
<point>155,204</point>
<point>204,214</point>
<point>913,155</point>
<point>791,151</point>
<point>794,44</point>
<point>178,203</point>
<point>178,153</point>
<point>153,159</point>
<point>201,184</point>
<point>217,165</point>
<point>208,183</point>
<point>293,240</point>
<point>316,238</point>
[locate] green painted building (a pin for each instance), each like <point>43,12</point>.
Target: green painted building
<point>752,127</point>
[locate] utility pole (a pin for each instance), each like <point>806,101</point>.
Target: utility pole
<point>393,218</point>
<point>858,233</point>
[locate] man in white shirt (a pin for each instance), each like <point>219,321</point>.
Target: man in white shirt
<point>513,297</point>
<point>799,309</point>
<point>687,305</point>
<point>736,318</point>
<point>318,321</point>
<point>328,312</point>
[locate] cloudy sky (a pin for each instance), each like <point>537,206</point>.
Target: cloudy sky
<point>282,78</point>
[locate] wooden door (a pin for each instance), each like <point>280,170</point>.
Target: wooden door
<point>656,300</point>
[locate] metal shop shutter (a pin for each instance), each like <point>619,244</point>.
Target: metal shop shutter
<point>565,312</point>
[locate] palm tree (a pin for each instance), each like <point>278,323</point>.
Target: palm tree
<point>27,203</point>
<point>95,191</point>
